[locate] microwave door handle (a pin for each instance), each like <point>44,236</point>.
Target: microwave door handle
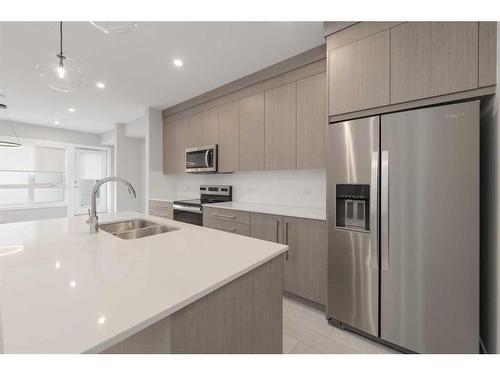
<point>206,158</point>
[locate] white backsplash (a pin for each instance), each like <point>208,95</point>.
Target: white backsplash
<point>303,188</point>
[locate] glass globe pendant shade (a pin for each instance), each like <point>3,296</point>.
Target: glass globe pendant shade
<point>60,72</point>
<point>114,27</point>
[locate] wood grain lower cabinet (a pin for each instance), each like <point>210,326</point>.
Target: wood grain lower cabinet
<point>433,58</point>
<point>252,133</point>
<point>359,75</point>
<point>228,134</point>
<point>267,227</point>
<point>312,120</point>
<point>306,265</point>
<point>280,127</point>
<point>161,209</point>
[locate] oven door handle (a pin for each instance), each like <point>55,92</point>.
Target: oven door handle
<point>196,210</point>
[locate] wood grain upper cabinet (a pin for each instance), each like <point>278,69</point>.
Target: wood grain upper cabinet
<point>181,143</point>
<point>252,133</point>
<point>203,128</point>
<point>305,268</point>
<point>266,227</point>
<point>311,122</point>
<point>169,149</point>
<point>280,127</point>
<point>228,133</point>
<point>487,53</point>
<point>359,74</point>
<point>433,58</point>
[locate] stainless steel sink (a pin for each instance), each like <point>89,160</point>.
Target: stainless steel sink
<point>135,228</point>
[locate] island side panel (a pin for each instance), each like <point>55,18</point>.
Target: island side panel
<point>244,316</point>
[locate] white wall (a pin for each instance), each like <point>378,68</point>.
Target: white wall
<point>490,218</point>
<point>25,214</point>
<point>130,165</point>
<point>50,134</point>
<point>304,188</point>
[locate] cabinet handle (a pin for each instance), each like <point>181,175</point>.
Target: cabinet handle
<point>277,231</point>
<point>226,216</point>
<point>225,228</point>
<point>287,254</point>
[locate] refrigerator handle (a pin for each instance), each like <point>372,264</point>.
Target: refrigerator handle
<point>374,211</point>
<point>384,212</point>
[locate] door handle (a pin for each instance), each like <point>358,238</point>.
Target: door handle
<point>225,216</point>
<point>287,255</point>
<point>277,231</point>
<point>227,229</point>
<point>374,210</point>
<point>384,212</point>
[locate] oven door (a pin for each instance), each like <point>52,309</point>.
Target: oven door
<point>201,159</point>
<point>188,214</point>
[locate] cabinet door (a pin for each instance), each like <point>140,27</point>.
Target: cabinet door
<point>203,128</point>
<point>228,133</point>
<point>433,58</point>
<point>169,148</point>
<point>252,133</point>
<point>280,127</point>
<point>359,75</point>
<point>305,268</point>
<point>487,53</point>
<point>311,122</point>
<point>266,227</point>
<point>181,143</point>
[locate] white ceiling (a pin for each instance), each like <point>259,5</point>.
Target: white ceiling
<point>137,67</point>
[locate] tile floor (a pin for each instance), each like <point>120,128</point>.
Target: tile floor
<point>306,331</point>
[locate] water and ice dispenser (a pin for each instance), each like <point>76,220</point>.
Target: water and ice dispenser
<point>353,206</point>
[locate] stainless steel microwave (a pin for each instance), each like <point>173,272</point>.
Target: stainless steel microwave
<point>201,159</point>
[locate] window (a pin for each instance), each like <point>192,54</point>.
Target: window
<point>32,175</point>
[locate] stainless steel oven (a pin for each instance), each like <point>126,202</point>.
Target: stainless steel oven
<point>201,159</point>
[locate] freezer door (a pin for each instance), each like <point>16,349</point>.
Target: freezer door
<point>353,276</point>
<point>430,229</point>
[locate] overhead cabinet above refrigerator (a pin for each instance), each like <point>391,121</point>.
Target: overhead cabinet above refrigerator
<point>403,235</point>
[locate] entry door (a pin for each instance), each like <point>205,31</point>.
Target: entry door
<point>430,229</point>
<point>90,166</point>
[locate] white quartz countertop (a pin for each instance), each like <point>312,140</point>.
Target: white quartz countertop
<point>63,290</point>
<point>302,212</point>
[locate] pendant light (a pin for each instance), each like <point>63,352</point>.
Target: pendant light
<point>114,27</point>
<point>59,71</point>
<point>4,142</point>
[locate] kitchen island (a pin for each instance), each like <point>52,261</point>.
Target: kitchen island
<point>191,290</point>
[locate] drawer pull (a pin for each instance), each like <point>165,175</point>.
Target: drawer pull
<point>225,228</point>
<point>226,216</point>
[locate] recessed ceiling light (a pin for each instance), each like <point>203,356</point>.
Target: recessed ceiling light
<point>72,284</point>
<point>100,85</point>
<point>101,320</point>
<point>71,109</point>
<point>178,62</point>
<point>56,122</point>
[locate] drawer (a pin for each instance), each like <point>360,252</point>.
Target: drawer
<point>160,205</point>
<point>231,216</point>
<point>163,213</point>
<point>231,227</point>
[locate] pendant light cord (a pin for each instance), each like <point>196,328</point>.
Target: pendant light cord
<point>10,123</point>
<point>61,38</point>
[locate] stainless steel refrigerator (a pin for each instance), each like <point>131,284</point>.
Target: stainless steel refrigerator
<point>403,227</point>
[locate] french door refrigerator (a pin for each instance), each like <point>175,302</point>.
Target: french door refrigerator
<point>403,227</point>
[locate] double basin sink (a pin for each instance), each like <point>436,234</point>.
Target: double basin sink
<point>135,228</point>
